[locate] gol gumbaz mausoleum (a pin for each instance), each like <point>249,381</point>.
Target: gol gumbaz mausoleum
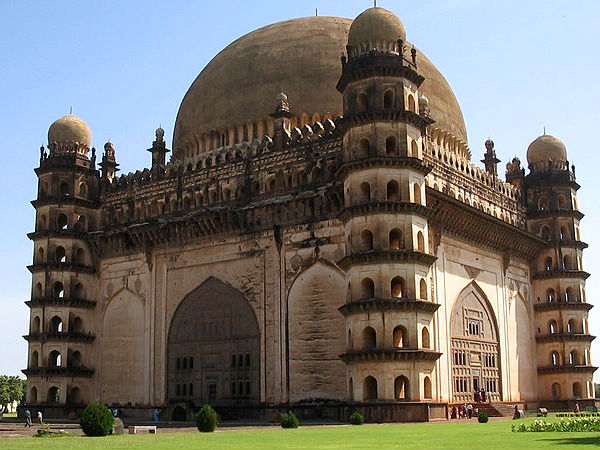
<point>320,240</point>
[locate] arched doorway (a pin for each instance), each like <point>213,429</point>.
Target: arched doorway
<point>179,414</point>
<point>215,332</point>
<point>475,352</point>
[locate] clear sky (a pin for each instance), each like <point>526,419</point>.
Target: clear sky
<point>124,67</point>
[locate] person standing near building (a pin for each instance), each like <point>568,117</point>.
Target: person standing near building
<point>40,418</point>
<point>156,415</point>
<point>27,418</point>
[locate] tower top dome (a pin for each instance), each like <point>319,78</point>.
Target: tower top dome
<point>70,129</point>
<point>375,27</point>
<point>546,148</point>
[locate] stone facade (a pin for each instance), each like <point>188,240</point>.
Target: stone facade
<point>359,260</point>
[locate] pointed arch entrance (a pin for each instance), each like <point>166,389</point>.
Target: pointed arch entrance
<point>474,347</point>
<point>213,352</point>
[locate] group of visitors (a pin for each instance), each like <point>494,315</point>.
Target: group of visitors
<point>465,411</point>
<point>480,396</point>
<point>29,422</point>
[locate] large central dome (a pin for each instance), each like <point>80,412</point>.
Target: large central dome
<point>300,57</point>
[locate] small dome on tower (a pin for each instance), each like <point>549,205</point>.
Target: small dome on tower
<point>546,148</point>
<point>375,27</point>
<point>159,133</point>
<point>70,129</point>
<point>423,101</point>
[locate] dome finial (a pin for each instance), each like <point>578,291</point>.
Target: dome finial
<point>544,130</point>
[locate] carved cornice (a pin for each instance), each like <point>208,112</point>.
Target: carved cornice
<point>552,274</point>
<point>387,256</point>
<point>62,234</point>
<point>64,301</point>
<point>71,372</point>
<point>65,201</point>
<point>570,213</point>
<point>388,304</point>
<point>572,306</point>
<point>566,368</point>
<point>374,64</point>
<point>69,336</point>
<point>395,115</point>
<point>375,162</point>
<point>61,267</point>
<point>390,354</point>
<point>571,244</point>
<point>455,218</point>
<point>385,207</point>
<point>565,337</point>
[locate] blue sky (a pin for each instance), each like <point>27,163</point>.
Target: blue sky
<point>124,67</point>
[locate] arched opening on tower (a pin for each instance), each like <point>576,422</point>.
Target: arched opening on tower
<point>369,389</point>
<point>369,338</point>
<point>393,191</point>
<point>401,388</point>
<point>395,239</point>
<point>366,240</point>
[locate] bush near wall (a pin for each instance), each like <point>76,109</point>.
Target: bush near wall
<point>577,424</point>
<point>207,419</point>
<point>289,420</point>
<point>357,419</point>
<point>96,420</point>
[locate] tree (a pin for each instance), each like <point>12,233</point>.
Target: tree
<point>11,389</point>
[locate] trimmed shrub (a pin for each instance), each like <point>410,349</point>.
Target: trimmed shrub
<point>118,427</point>
<point>96,420</point>
<point>577,424</point>
<point>483,417</point>
<point>207,419</point>
<point>289,420</point>
<point>357,419</point>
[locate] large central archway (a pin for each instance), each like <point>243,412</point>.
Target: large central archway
<point>474,346</point>
<point>213,352</point>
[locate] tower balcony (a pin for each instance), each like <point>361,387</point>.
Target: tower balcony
<point>374,305</point>
<point>569,213</point>
<point>566,368</point>
<point>561,273</point>
<point>566,306</point>
<point>71,372</point>
<point>564,337</point>
<point>62,267</point>
<point>388,115</point>
<point>390,354</point>
<point>64,201</point>
<point>397,162</point>
<point>387,256</point>
<point>68,336</point>
<point>73,302</point>
<point>385,207</point>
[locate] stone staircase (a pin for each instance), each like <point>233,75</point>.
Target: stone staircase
<point>493,409</point>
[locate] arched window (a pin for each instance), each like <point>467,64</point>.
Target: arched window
<point>577,389</point>
<point>58,290</point>
<point>363,102</point>
<point>369,338</point>
<point>61,221</point>
<point>367,289</point>
<point>38,290</point>
<point>40,255</point>
<point>33,395</point>
<point>574,358</point>
<point>364,148</point>
<point>64,189</point>
<point>562,202</point>
<point>423,289</point>
<point>55,359</point>
<point>35,325</point>
<point>397,286</point>
<point>548,264</point>
<point>425,338</point>
<point>571,326</point>
<point>550,295</point>
<point>393,190</point>
<point>401,388</point>
<point>552,327</point>
<point>545,232</point>
<point>366,240</point>
<point>80,224</point>
<point>391,149</point>
<point>395,238</point>
<point>543,204</point>
<point>570,295</point>
<point>416,193</point>
<point>554,358</point>
<point>411,103</point>
<point>56,325</point>
<point>555,391</point>
<point>80,256</point>
<point>350,342</point>
<point>388,99</point>
<point>60,255</point>
<point>369,388</point>
<point>75,395</point>
<point>414,149</point>
<point>564,233</point>
<point>83,190</point>
<point>427,387</point>
<point>53,395</point>
<point>365,192</point>
<point>35,360</point>
<point>76,359</point>
<point>400,337</point>
<point>79,291</point>
<point>77,325</point>
<point>420,242</point>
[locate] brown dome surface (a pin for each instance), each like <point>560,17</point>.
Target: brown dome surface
<point>546,148</point>
<point>376,25</point>
<point>300,57</point>
<point>69,129</point>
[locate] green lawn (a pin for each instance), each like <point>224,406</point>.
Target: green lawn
<point>460,436</point>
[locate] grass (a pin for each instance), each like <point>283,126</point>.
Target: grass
<point>460,436</point>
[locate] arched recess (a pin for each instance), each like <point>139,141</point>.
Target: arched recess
<point>474,330</point>
<point>316,334</point>
<point>124,369</point>
<point>522,351</point>
<point>215,325</point>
